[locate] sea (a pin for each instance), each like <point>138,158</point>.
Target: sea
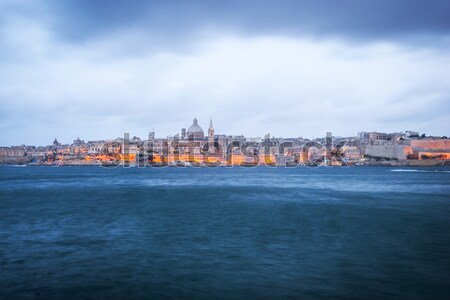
<point>224,233</point>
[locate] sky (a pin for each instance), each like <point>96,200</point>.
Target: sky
<point>96,69</point>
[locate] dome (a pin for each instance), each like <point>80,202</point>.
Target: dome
<point>195,131</point>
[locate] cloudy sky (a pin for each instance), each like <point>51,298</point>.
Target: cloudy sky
<point>96,69</point>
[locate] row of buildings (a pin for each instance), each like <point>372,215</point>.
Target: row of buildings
<point>195,147</point>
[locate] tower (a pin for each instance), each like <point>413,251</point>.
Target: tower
<point>211,137</point>
<point>151,135</point>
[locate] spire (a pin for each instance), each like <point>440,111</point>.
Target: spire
<point>195,120</point>
<point>210,123</point>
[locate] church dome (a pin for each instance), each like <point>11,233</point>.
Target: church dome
<point>195,131</point>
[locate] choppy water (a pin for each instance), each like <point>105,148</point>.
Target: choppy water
<point>220,233</point>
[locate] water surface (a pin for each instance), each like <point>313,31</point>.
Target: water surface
<point>224,233</point>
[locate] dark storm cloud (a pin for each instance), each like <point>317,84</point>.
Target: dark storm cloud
<point>96,69</point>
<point>349,19</point>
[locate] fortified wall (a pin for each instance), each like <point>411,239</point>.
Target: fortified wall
<point>392,151</point>
<point>429,144</point>
<point>400,151</point>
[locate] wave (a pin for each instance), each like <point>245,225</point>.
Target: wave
<point>422,171</point>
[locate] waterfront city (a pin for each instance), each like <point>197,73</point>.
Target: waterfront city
<point>224,150</point>
<point>194,147</point>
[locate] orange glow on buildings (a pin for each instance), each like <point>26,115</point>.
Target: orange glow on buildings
<point>434,155</point>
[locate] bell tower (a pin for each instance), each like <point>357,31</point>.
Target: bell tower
<point>211,137</point>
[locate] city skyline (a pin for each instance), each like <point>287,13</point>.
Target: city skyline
<point>69,140</point>
<point>65,140</point>
<point>195,146</point>
<point>301,69</point>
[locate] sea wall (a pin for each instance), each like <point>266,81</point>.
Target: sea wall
<point>21,160</point>
<point>428,162</point>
